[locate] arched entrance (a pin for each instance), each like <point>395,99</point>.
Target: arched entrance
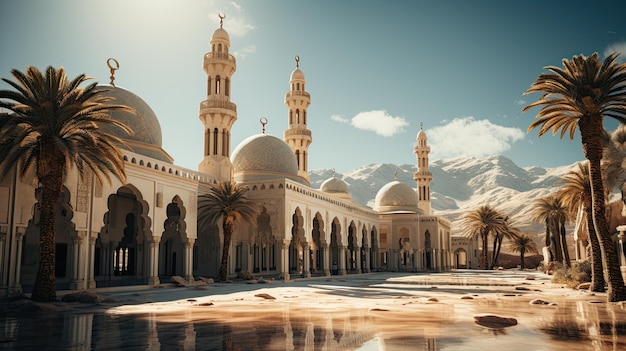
<point>64,230</point>
<point>336,249</point>
<point>318,259</point>
<point>297,245</point>
<point>365,257</point>
<point>264,245</point>
<point>171,246</point>
<point>121,253</point>
<point>374,256</point>
<point>352,261</point>
<point>460,259</point>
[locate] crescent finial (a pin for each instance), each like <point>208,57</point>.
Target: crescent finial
<point>113,66</point>
<point>221,16</point>
<point>263,121</point>
<point>297,61</point>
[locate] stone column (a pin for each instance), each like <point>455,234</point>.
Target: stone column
<point>357,264</point>
<point>284,260</point>
<point>306,260</point>
<point>188,259</point>
<point>15,285</point>
<point>341,268</point>
<point>90,279</point>
<point>326,264</point>
<point>153,260</point>
<point>78,261</point>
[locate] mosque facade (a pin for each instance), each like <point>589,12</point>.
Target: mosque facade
<point>145,230</point>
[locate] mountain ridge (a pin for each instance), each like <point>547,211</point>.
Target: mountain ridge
<point>460,185</point>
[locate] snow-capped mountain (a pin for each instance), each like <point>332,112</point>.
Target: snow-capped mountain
<point>460,185</point>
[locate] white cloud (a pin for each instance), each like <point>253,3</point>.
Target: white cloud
<point>379,122</point>
<point>251,49</point>
<point>520,102</point>
<point>467,136</point>
<point>620,47</point>
<point>236,25</point>
<point>339,118</point>
<point>236,6</point>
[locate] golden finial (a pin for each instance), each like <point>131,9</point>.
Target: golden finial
<point>221,16</point>
<point>395,175</point>
<point>113,68</point>
<point>333,173</point>
<point>263,121</point>
<point>421,125</point>
<point>297,61</point>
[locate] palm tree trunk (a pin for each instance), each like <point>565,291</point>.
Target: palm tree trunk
<point>497,255</point>
<point>548,242</point>
<point>591,133</point>
<point>556,240</point>
<point>227,226</point>
<point>597,271</point>
<point>483,255</point>
<point>566,259</point>
<point>494,252</point>
<point>521,256</point>
<point>51,185</point>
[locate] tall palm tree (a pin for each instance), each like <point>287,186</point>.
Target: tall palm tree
<point>508,232</point>
<point>54,125</point>
<point>228,202</point>
<point>523,244</point>
<point>579,96</point>
<point>576,194</point>
<point>480,223</point>
<point>550,210</point>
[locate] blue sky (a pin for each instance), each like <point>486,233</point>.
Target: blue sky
<point>375,69</point>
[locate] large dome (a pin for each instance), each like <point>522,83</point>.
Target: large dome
<point>264,157</point>
<point>396,197</point>
<point>146,138</point>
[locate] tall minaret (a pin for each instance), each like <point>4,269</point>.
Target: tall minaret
<point>422,177</point>
<point>217,113</point>
<point>297,135</point>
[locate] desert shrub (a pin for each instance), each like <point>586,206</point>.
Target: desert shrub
<point>580,272</point>
<point>244,275</point>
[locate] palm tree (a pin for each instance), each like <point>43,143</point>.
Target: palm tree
<point>54,126</point>
<point>508,232</point>
<point>481,222</point>
<point>523,244</point>
<point>576,194</point>
<point>580,95</point>
<point>228,202</point>
<point>550,210</point>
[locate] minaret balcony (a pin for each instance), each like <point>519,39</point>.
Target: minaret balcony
<point>297,131</point>
<point>219,56</point>
<point>294,93</point>
<point>218,104</point>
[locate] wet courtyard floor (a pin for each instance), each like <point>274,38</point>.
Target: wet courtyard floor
<point>383,311</point>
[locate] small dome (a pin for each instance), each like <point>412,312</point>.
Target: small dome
<point>421,135</point>
<point>297,74</point>
<point>262,157</point>
<point>146,139</point>
<point>220,34</point>
<point>336,187</point>
<point>396,197</point>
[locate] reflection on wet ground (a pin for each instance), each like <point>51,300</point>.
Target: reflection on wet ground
<point>321,316</point>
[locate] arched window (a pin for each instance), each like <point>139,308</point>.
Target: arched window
<point>208,86</point>
<point>227,87</point>
<point>215,134</point>
<point>217,84</point>
<point>224,142</point>
<point>219,47</point>
<point>304,115</point>
<point>298,86</point>
<point>298,158</point>
<point>298,116</point>
<point>207,141</point>
<point>290,117</point>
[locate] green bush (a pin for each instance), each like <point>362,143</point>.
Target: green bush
<point>580,272</point>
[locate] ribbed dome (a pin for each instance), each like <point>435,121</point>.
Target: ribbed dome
<point>263,157</point>
<point>220,34</point>
<point>396,197</point>
<point>147,138</point>
<point>421,135</point>
<point>297,74</point>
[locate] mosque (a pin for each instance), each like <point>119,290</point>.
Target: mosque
<point>145,230</point>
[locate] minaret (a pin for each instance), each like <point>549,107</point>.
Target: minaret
<point>422,177</point>
<point>297,135</point>
<point>217,113</point>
